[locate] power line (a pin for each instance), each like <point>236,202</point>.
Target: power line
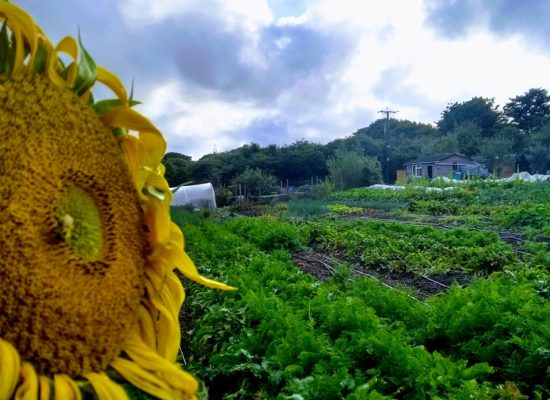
<point>387,111</point>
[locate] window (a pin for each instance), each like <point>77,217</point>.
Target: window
<point>416,170</point>
<point>455,166</point>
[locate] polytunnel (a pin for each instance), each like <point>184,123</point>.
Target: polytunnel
<point>197,196</point>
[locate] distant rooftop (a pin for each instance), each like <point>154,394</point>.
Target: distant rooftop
<point>434,158</point>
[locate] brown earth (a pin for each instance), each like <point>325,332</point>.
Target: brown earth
<point>323,266</point>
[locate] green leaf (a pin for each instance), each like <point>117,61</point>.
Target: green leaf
<point>86,72</point>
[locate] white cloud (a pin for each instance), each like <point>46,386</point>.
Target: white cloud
<point>242,13</point>
<point>145,12</point>
<point>195,125</point>
<point>427,71</point>
<point>440,70</point>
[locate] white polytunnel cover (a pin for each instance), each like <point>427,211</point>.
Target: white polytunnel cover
<point>198,196</point>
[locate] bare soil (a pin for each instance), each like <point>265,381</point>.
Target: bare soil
<point>323,266</point>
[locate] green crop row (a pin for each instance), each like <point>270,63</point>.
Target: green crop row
<point>504,193</point>
<point>283,335</point>
<point>409,248</point>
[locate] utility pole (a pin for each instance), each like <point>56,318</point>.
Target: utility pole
<point>387,111</point>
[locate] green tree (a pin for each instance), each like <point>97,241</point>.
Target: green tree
<point>530,110</point>
<point>179,168</point>
<point>479,111</point>
<point>256,182</point>
<point>538,151</point>
<point>349,169</point>
<point>542,136</point>
<point>497,151</point>
<point>469,137</point>
<point>443,144</point>
<point>300,161</point>
<point>539,160</point>
<point>209,169</point>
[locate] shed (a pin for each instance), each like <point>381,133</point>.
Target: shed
<point>197,196</point>
<point>450,165</point>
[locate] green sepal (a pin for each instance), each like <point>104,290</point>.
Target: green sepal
<point>117,132</point>
<point>4,49</point>
<point>154,192</point>
<point>101,107</point>
<point>87,391</point>
<point>7,50</point>
<point>91,100</point>
<point>86,72</point>
<point>40,59</point>
<point>64,71</point>
<point>132,91</point>
<point>132,392</point>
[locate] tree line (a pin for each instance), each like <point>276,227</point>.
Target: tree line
<point>514,137</point>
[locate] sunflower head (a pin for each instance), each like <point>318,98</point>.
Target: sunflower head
<point>89,295</point>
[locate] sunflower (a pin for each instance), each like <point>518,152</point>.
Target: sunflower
<point>89,299</point>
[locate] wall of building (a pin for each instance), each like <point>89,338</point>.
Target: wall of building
<point>442,168</point>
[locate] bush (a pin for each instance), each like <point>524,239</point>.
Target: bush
<point>268,235</point>
<point>349,169</point>
<point>256,182</point>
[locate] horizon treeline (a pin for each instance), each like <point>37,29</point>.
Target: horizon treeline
<point>516,137</point>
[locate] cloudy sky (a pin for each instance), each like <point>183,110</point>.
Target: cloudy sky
<point>216,74</point>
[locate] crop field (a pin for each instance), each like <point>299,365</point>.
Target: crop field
<point>374,294</point>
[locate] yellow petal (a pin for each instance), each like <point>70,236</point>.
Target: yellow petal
<point>22,23</point>
<point>51,70</point>
<point>142,379</point>
<point>147,327</point>
<point>176,289</point>
<point>152,147</point>
<point>105,388</point>
<point>45,388</point>
<point>112,82</point>
<point>9,369</point>
<point>22,19</point>
<point>176,256</point>
<point>125,117</point>
<point>69,46</point>
<point>130,147</point>
<point>171,373</point>
<point>65,388</point>
<point>185,265</point>
<point>28,386</point>
<point>157,219</point>
<point>168,331</point>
